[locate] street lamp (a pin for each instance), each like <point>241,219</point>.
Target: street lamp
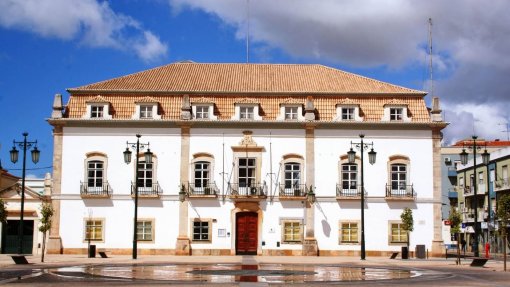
<point>464,159</point>
<point>24,145</point>
<point>351,154</point>
<point>127,159</point>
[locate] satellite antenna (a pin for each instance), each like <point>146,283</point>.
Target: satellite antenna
<point>430,59</point>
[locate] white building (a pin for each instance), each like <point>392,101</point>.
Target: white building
<point>246,145</point>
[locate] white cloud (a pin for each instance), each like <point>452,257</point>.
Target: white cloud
<point>93,23</point>
<point>470,43</point>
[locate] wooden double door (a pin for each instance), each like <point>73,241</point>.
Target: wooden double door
<point>246,233</point>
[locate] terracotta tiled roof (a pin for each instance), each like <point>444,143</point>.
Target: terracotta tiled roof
<point>97,99</point>
<point>246,78</point>
<point>347,101</point>
<point>482,142</point>
<point>147,100</point>
<point>396,102</point>
<point>123,106</point>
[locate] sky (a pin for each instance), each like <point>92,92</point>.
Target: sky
<point>47,46</point>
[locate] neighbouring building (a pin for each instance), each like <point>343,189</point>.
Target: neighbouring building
<point>247,159</point>
<point>491,182</point>
<point>10,193</point>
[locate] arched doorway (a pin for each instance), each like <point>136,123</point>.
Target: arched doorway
<point>246,233</point>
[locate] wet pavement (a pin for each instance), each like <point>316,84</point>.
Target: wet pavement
<point>250,271</point>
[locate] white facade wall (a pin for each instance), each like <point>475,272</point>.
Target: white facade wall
<point>330,144</point>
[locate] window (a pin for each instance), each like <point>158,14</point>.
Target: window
<point>348,114</point>
<point>144,230</point>
<point>398,177</point>
<point>96,111</point>
<point>202,112</point>
<point>246,113</point>
<point>504,172</point>
<point>398,234</point>
<point>348,232</point>
<point>291,113</point>
<point>146,112</point>
<point>292,231</point>
<point>349,176</point>
<point>396,114</point>
<point>95,175</point>
<point>201,174</point>
<point>94,229</point>
<point>145,176</point>
<point>292,174</point>
<point>201,230</point>
<point>246,172</point>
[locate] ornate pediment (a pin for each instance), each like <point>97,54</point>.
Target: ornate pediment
<point>396,102</point>
<point>347,101</point>
<point>246,100</point>
<point>147,99</point>
<point>247,139</point>
<point>97,99</point>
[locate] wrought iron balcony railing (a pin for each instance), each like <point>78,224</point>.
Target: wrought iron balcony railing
<point>153,190</point>
<point>205,190</point>
<point>101,190</point>
<point>292,191</point>
<point>400,192</point>
<point>255,190</point>
<point>348,193</point>
<point>502,184</point>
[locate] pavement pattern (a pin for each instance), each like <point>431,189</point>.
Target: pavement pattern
<point>60,270</point>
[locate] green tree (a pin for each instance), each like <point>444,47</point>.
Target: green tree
<point>407,222</point>
<point>503,214</point>
<point>455,219</point>
<point>46,219</point>
<point>3,212</point>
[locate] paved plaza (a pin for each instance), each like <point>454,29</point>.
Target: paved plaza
<point>79,270</point>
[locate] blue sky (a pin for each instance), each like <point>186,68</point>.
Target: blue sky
<point>47,46</point>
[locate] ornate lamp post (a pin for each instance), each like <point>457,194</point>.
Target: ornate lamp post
<point>464,159</point>
<point>24,145</point>
<point>351,154</point>
<point>127,159</point>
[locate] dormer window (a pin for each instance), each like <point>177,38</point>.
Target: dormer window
<point>146,109</point>
<point>396,114</point>
<point>145,112</point>
<point>97,108</point>
<point>246,113</point>
<point>291,113</point>
<point>203,111</point>
<point>347,111</point>
<point>96,111</point>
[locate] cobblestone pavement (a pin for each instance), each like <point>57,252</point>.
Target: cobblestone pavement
<point>78,270</point>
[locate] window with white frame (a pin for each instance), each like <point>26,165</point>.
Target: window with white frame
<point>291,113</point>
<point>201,230</point>
<point>398,177</point>
<point>292,172</point>
<point>246,172</point>
<point>97,111</point>
<point>348,113</point>
<point>292,231</point>
<point>349,176</point>
<point>145,230</point>
<point>397,233</point>
<point>202,174</point>
<point>95,175</point>
<point>246,113</point>
<point>348,232</point>
<point>146,111</point>
<point>396,114</point>
<point>145,176</point>
<point>202,112</point>
<point>94,229</point>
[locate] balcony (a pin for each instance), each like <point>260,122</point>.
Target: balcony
<point>400,193</point>
<point>452,172</point>
<point>469,215</point>
<point>152,191</point>
<point>470,191</point>
<point>209,190</point>
<point>241,191</point>
<point>294,192</point>
<point>501,185</point>
<point>102,191</point>
<point>348,193</point>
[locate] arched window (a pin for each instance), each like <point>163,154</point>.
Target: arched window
<point>348,185</point>
<point>292,176</point>
<point>95,182</point>
<point>398,177</point>
<point>147,181</point>
<point>202,182</point>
